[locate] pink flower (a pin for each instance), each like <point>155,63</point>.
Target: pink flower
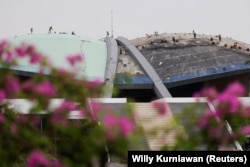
<point>35,58</point>
<point>236,89</point>
<point>82,113</point>
<point>197,95</point>
<point>111,126</point>
<point>96,106</point>
<point>211,93</point>
<point>68,105</point>
<point>95,109</point>
<point>246,112</point>
<point>207,117</point>
<point>3,43</point>
<point>45,88</point>
<point>21,50</point>
<point>12,85</point>
<point>1,51</point>
<point>126,126</point>
<point>28,86</point>
<point>2,95</point>
<point>110,120</point>
<point>75,58</point>
<point>30,49</point>
<point>63,71</point>
<point>123,124</point>
<point>60,115</point>
<point>230,99</point>
<point>1,117</point>
<point>161,107</point>
<point>37,159</point>
<point>95,83</point>
<point>245,130</point>
<point>21,118</point>
<point>203,122</point>
<point>9,56</point>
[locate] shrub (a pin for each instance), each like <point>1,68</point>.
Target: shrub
<point>61,141</point>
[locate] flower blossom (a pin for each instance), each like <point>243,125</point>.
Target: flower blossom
<point>236,89</point>
<point>2,95</point>
<point>94,83</point>
<point>3,45</point>
<point>211,93</point>
<point>75,58</point>
<point>161,107</point>
<point>12,85</point>
<point>246,112</point>
<point>37,159</point>
<point>28,86</point>
<point>124,125</point>
<point>233,102</point>
<point>30,49</point>
<point>60,115</point>
<point>96,108</point>
<point>35,58</point>
<point>9,56</point>
<point>21,118</point>
<point>45,88</point>
<point>67,105</point>
<point>245,130</point>
<point>207,117</point>
<point>21,50</point>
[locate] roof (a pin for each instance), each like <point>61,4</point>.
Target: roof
<point>56,47</point>
<point>187,59</point>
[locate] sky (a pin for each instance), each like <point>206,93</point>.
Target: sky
<point>128,18</point>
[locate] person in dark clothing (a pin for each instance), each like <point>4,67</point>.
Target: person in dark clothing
<point>50,29</point>
<point>31,31</point>
<point>194,34</point>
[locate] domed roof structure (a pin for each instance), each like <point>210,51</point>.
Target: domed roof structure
<point>56,47</point>
<point>185,63</point>
<point>162,65</point>
<point>180,59</point>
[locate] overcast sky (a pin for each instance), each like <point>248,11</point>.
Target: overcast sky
<point>131,18</point>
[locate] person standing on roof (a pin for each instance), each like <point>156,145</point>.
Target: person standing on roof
<point>219,37</point>
<point>50,29</point>
<point>31,31</point>
<point>194,34</point>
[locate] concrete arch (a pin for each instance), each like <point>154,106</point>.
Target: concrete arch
<point>159,87</point>
<point>110,71</point>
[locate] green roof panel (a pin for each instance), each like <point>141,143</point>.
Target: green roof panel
<point>58,46</point>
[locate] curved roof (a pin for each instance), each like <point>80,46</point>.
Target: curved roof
<point>183,59</point>
<point>56,47</point>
